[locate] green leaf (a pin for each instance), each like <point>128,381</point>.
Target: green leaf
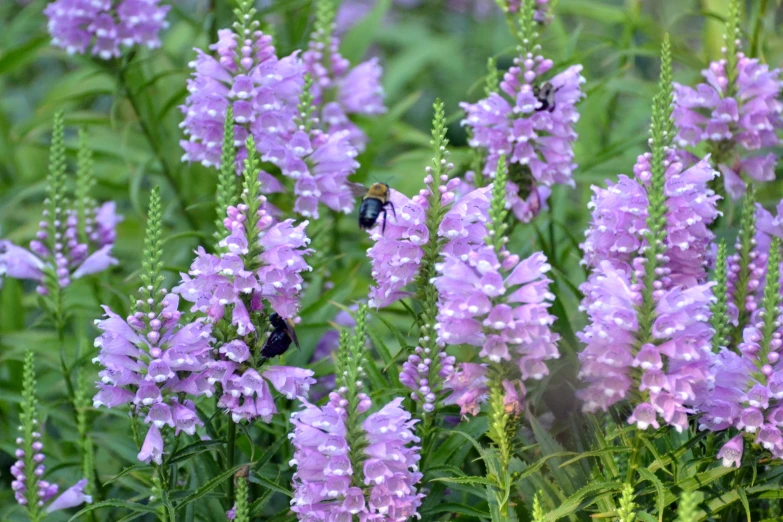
<point>22,55</point>
<point>744,499</point>
<point>595,453</point>
<point>129,469</point>
<point>466,480</point>
<point>577,502</point>
<point>550,448</point>
<point>209,486</point>
<point>116,503</point>
<point>270,485</point>
<point>191,450</point>
<point>457,509</point>
<point>649,475</point>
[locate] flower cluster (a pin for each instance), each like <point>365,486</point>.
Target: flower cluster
<point>531,123</point>
<point>46,491</point>
<point>237,283</point>
<point>246,74</point>
<point>326,484</point>
<point>103,25</point>
<point>738,113</point>
<point>620,212</point>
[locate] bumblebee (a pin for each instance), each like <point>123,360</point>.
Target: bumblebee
<point>375,199</point>
<point>281,337</point>
<point>545,94</point>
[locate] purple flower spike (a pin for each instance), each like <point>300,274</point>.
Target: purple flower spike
<point>101,27</point>
<point>739,121</point>
<point>262,89</point>
<point>533,130</point>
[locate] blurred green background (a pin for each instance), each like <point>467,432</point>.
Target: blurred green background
<point>130,110</point>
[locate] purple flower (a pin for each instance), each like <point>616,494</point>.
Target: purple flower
<point>532,128</point>
<point>468,387</point>
<point>263,92</point>
<point>731,452</point>
<point>73,496</point>
<point>397,251</point>
<point>152,449</point>
<point>324,482</point>
<point>78,25</point>
<point>738,121</point>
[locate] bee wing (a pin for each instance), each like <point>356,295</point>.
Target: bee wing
<point>291,333</point>
<point>357,189</point>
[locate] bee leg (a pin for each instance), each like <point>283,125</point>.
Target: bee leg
<point>392,207</point>
<point>385,218</point>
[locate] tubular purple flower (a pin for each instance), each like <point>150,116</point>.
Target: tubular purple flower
<point>102,26</point>
<point>531,123</point>
<point>152,449</point>
<point>738,120</point>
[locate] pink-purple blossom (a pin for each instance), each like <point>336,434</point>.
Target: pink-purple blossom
<point>262,89</point>
<point>740,121</point>
<point>533,130</point>
<point>325,485</point>
<point>102,26</point>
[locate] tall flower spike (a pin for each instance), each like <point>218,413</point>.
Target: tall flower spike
<point>29,489</point>
<point>257,273</point>
<point>154,359</point>
<point>429,366</point>
<point>490,298</point>
<point>348,466</point>
<point>101,27</point>
<point>530,122</point>
<point>646,298</point>
<point>743,272</point>
<point>737,112</point>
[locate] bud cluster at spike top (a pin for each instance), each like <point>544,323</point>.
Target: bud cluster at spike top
<point>671,373</point>
<point>533,130</point>
<point>740,121</point>
<point>102,26</point>
<point>71,258</point>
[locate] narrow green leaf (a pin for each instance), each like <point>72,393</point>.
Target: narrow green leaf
<point>457,509</point>
<point>270,485</point>
<point>578,502</point>
<point>466,480</point>
<point>649,475</point>
<point>116,503</point>
<point>209,486</point>
<point>129,469</point>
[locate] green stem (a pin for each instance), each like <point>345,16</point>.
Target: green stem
<point>754,40</point>
<point>230,454</point>
<point>153,143</point>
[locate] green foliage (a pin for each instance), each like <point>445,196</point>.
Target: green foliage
<point>227,189</point>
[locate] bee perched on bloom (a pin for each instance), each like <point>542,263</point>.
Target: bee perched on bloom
<point>375,199</point>
<point>545,94</point>
<point>281,337</point>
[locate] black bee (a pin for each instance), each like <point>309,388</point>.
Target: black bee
<point>545,94</point>
<point>374,202</point>
<point>281,337</point>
